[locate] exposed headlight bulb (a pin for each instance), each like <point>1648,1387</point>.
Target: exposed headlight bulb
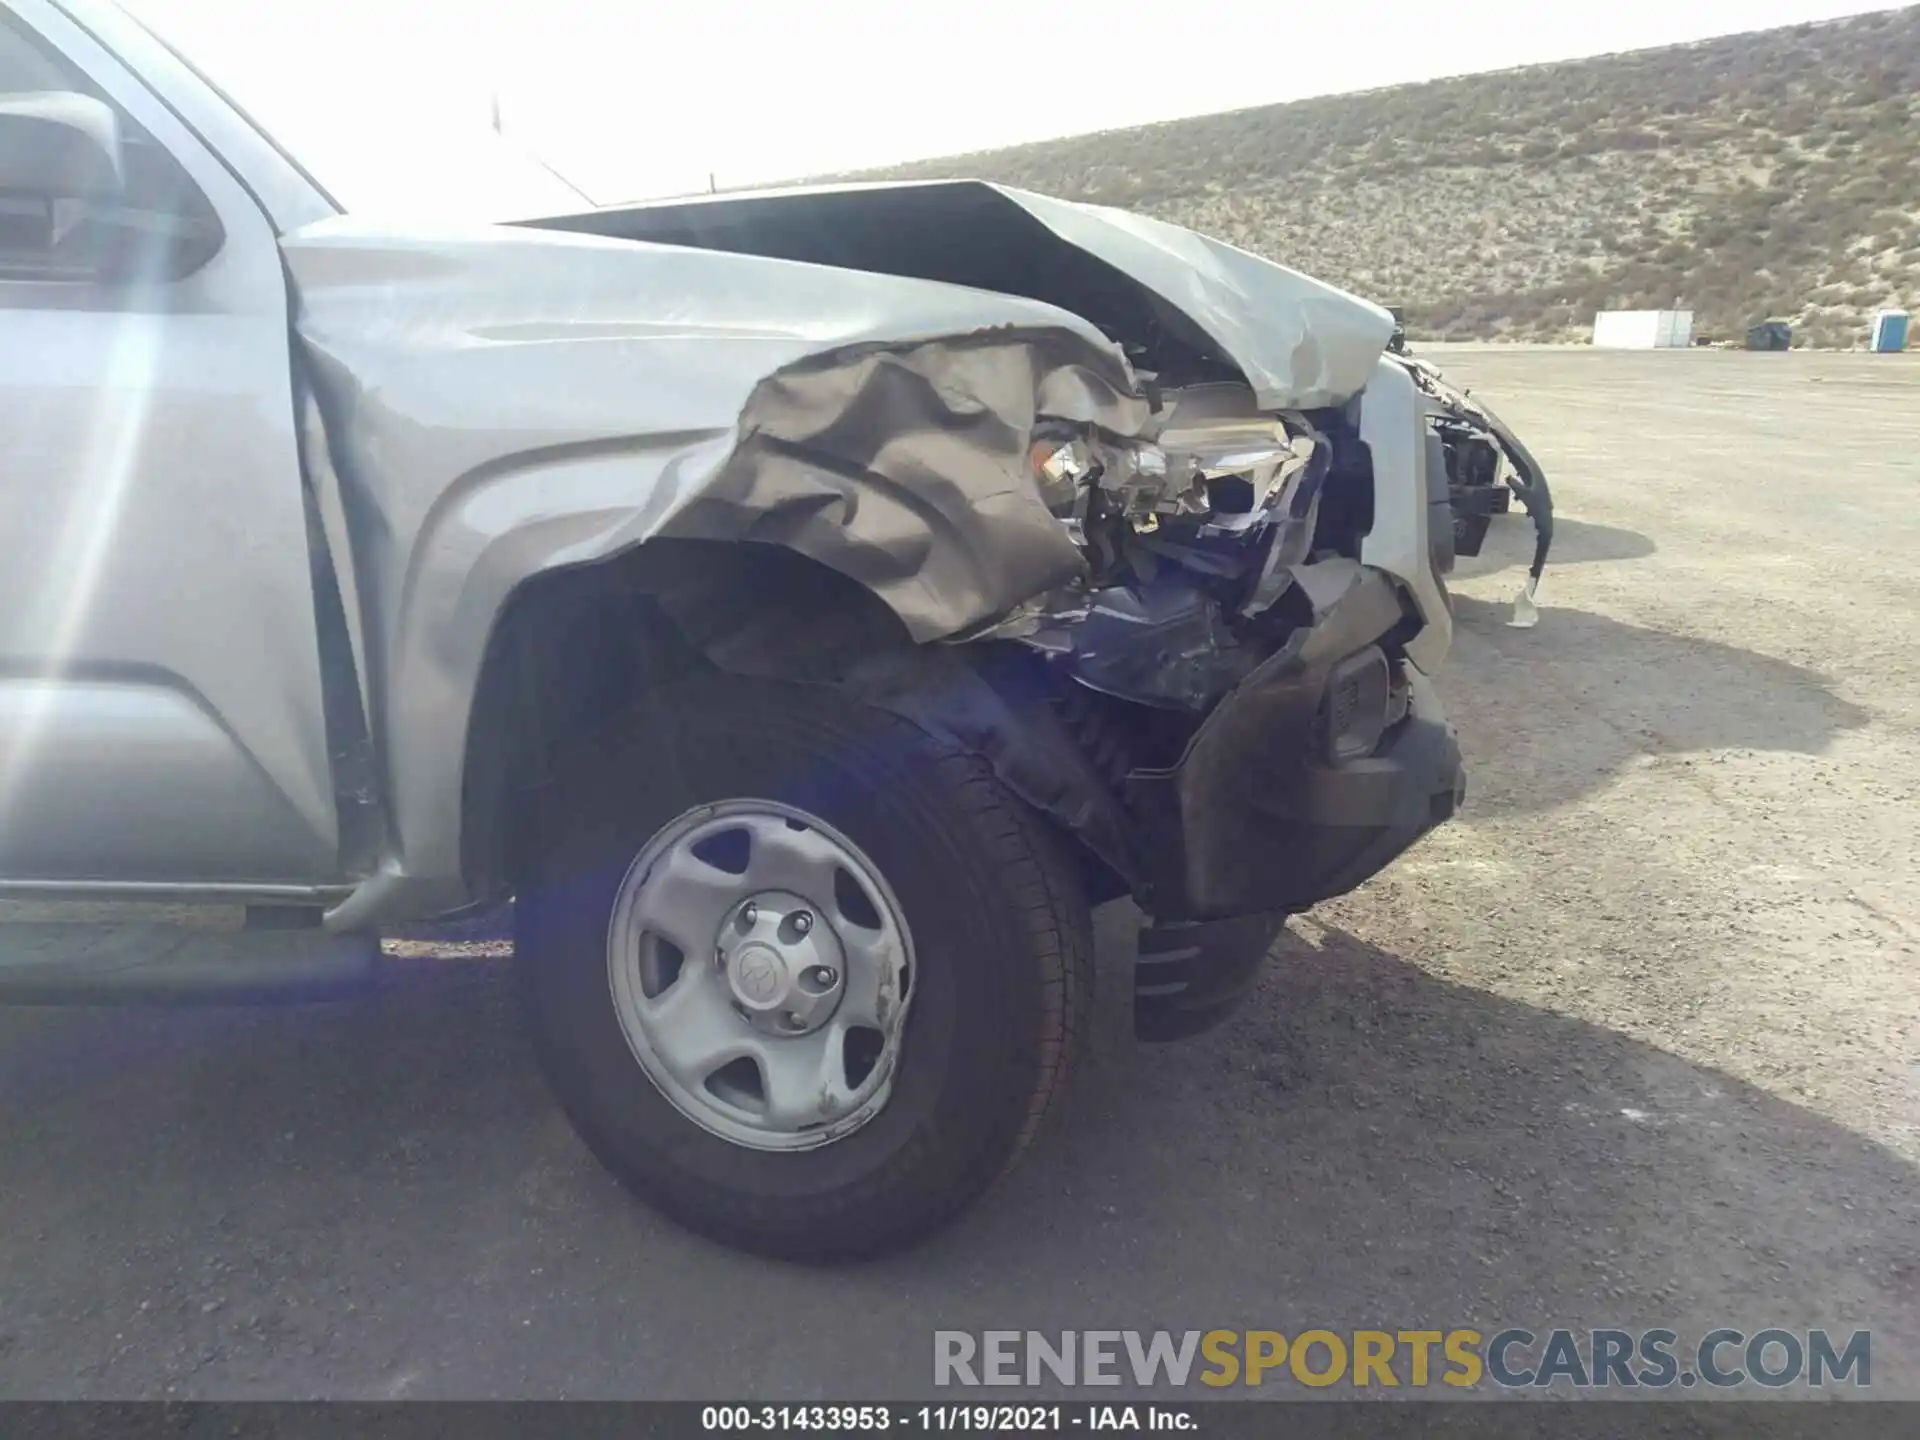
<point>1060,465</point>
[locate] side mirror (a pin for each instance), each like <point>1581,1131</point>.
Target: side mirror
<point>57,145</point>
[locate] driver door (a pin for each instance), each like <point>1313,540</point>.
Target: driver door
<point>161,726</point>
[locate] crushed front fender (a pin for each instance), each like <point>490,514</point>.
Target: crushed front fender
<point>500,404</point>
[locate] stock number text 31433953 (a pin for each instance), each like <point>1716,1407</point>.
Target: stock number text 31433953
<point>935,1419</point>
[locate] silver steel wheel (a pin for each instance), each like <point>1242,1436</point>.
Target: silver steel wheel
<point>760,969</point>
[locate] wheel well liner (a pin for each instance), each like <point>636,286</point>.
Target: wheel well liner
<point>575,649</point>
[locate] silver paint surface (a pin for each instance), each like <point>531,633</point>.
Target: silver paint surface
<point>160,704</point>
<point>505,401</point>
<point>1300,342</point>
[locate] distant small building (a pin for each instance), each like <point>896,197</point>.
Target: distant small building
<point>1643,329</point>
<point>1889,332</point>
<point>1770,335</point>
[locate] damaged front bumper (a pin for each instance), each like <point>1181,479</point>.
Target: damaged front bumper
<point>1262,814</point>
<point>1485,466</point>
<point>1226,706</point>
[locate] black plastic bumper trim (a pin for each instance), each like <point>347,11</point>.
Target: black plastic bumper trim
<point>1253,821</point>
<point>1480,499</point>
<point>1190,975</point>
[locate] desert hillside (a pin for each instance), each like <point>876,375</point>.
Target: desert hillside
<point>1775,173</point>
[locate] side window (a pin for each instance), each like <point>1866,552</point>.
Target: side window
<point>155,225</point>
<point>23,66</point>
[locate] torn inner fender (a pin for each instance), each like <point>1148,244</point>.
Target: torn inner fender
<point>908,469</point>
<point>1000,487</point>
<point>1172,554</point>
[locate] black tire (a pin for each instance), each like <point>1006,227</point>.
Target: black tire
<point>1000,984</point>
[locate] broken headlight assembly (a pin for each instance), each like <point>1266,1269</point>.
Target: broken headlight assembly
<point>1213,480</point>
<point>1192,539</point>
<point>1085,476</point>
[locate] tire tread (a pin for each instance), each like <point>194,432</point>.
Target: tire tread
<point>1006,846</point>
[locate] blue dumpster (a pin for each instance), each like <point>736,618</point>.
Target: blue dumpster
<point>1889,332</point>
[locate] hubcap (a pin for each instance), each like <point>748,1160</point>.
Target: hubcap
<point>760,967</point>
<point>783,968</point>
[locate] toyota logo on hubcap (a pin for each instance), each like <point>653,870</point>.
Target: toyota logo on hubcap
<point>758,976</point>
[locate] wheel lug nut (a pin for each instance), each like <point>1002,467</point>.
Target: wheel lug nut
<point>823,976</point>
<point>749,915</point>
<point>802,922</point>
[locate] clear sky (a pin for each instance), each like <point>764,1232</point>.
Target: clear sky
<point>631,98</point>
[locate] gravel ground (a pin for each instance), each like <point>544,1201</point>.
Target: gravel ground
<point>1631,1043</point>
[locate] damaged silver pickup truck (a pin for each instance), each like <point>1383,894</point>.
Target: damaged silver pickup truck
<point>804,606</point>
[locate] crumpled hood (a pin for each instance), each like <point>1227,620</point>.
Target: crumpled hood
<point>1181,303</point>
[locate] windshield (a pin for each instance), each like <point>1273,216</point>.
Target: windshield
<point>387,105</point>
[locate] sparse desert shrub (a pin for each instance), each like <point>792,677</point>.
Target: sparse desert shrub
<point>1749,175</point>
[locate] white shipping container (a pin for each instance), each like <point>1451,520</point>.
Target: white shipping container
<point>1643,329</point>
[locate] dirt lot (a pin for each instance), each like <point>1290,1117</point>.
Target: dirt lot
<point>1632,1043</point>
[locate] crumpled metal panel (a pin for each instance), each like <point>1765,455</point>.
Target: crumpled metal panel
<point>906,469</point>
<point>1300,343</point>
<point>501,402</point>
